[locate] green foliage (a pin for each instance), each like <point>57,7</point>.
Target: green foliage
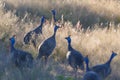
<point>5,36</point>
<point>61,77</point>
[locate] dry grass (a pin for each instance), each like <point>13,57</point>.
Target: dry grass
<point>89,12</point>
<point>97,42</point>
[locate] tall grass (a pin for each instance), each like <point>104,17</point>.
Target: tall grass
<point>96,42</point>
<point>89,12</point>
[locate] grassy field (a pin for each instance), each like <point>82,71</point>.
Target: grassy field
<point>91,36</point>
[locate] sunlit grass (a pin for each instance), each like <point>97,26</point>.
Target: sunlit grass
<point>96,42</point>
<point>89,12</point>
